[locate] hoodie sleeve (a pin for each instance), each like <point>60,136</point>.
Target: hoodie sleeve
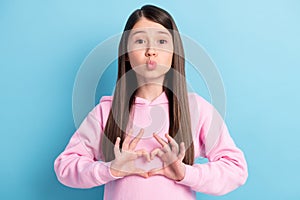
<point>79,165</point>
<point>227,167</point>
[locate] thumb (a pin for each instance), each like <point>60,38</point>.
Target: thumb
<point>156,171</point>
<point>142,173</point>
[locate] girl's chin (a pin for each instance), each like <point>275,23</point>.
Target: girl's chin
<point>150,76</point>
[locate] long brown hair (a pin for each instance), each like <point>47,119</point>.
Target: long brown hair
<point>174,87</point>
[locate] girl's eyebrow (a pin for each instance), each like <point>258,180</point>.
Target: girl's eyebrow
<point>137,32</point>
<point>164,33</point>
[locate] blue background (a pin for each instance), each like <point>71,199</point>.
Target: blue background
<point>255,45</point>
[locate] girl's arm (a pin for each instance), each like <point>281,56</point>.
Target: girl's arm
<point>227,167</point>
<point>78,166</point>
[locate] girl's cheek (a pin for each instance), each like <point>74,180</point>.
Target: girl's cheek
<point>135,59</point>
<point>137,55</point>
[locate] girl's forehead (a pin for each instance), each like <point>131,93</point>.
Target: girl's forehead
<point>150,31</point>
<point>147,26</point>
<point>146,23</point>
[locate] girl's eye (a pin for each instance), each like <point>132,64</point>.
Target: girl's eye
<point>140,41</point>
<point>162,41</point>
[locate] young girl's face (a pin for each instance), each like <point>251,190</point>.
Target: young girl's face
<point>150,49</point>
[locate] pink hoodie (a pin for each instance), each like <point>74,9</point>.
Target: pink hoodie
<point>80,165</point>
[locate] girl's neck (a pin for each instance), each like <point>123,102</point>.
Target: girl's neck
<point>149,88</point>
<point>149,91</point>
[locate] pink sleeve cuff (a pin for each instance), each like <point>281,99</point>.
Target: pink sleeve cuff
<point>192,174</point>
<point>102,172</point>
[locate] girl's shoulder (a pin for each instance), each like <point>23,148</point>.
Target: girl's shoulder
<point>103,106</point>
<point>104,99</point>
<point>196,99</point>
<point>106,102</point>
<point>198,104</point>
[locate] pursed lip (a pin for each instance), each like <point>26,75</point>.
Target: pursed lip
<point>151,64</point>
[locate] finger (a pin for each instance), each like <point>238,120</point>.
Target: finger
<point>117,147</point>
<point>141,172</point>
<point>127,139</point>
<point>166,148</point>
<point>156,171</point>
<point>160,140</point>
<point>143,153</point>
<point>156,152</point>
<point>174,145</point>
<point>135,141</point>
<point>182,151</point>
<point>165,145</point>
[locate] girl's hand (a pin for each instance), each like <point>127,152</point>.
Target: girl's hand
<point>123,164</point>
<point>172,156</point>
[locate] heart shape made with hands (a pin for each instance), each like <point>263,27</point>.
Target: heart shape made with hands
<point>169,153</point>
<point>149,161</point>
<point>165,160</point>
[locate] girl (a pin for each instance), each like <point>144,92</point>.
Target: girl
<point>142,141</point>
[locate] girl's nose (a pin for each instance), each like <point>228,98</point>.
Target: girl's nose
<point>151,52</point>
